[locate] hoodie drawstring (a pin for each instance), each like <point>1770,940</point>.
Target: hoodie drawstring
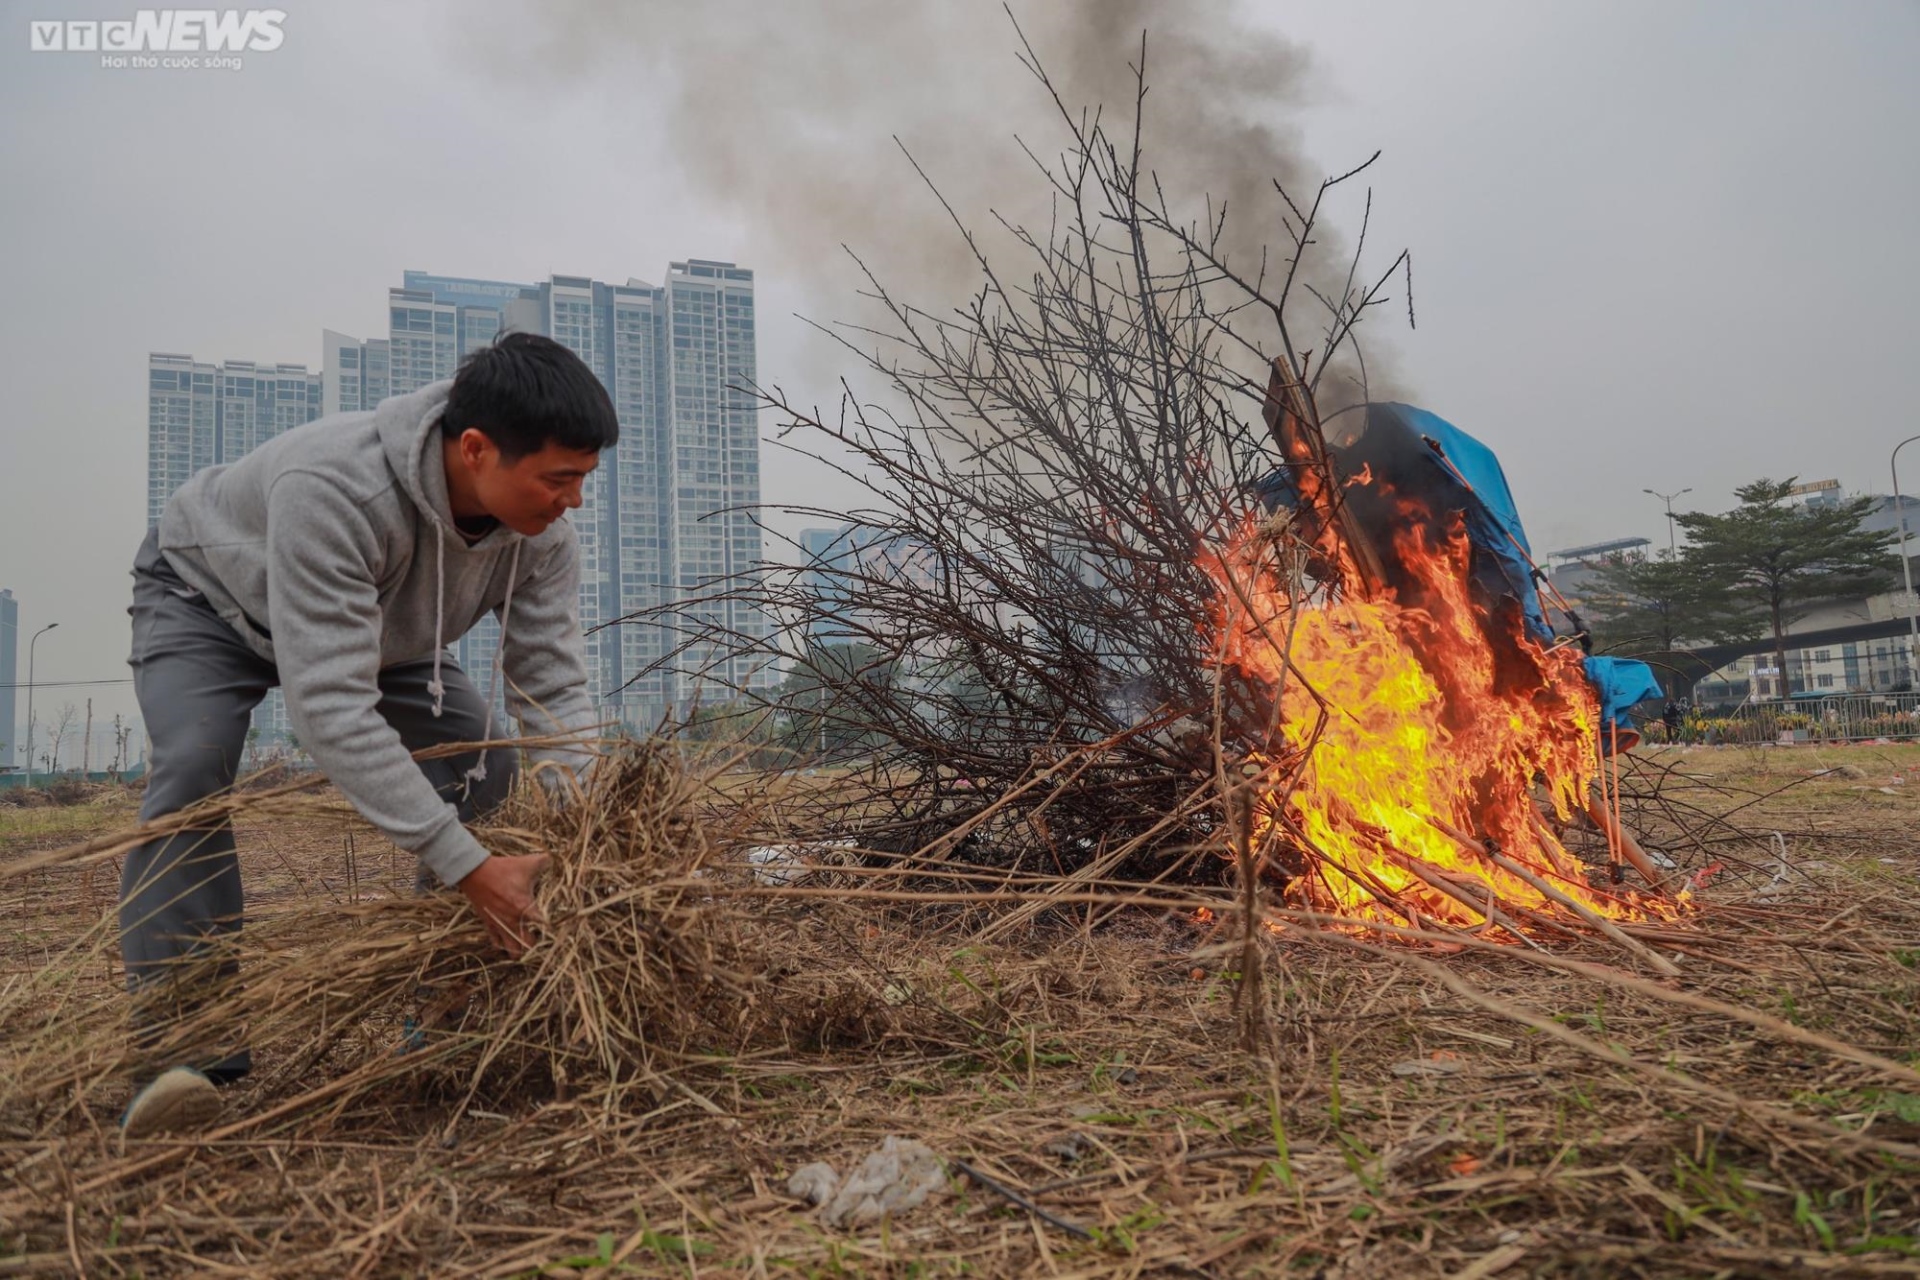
<point>479,771</point>
<point>436,686</point>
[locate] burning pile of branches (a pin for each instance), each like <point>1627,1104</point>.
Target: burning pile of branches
<point>1428,748</point>
<point>1024,582</point>
<point>1123,515</point>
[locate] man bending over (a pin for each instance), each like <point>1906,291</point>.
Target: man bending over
<point>338,561</point>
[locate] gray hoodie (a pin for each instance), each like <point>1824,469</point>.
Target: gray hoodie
<point>330,550</point>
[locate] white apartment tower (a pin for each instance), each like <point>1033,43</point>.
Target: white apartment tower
<point>202,415</point>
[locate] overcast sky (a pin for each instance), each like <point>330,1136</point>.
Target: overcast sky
<point>1656,245</point>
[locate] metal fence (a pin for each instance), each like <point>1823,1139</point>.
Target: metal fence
<point>1860,717</point>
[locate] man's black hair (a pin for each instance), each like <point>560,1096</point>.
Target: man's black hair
<point>525,391</point>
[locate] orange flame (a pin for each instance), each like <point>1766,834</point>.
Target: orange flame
<point>1400,720</point>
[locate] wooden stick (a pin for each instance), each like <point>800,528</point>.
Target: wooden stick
<point>1014,1197</point>
<point>1248,1006</point>
<point>1435,880</point>
<point>1550,844</point>
<point>1619,838</point>
<point>1383,895</point>
<point>1592,917</point>
<point>1456,835</point>
<point>1586,913</point>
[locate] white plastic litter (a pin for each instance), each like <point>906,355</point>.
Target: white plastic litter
<point>815,1183</point>
<point>899,1175</point>
<point>782,864</point>
<point>1781,867</point>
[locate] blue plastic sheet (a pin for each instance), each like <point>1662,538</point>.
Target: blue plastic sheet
<point>1493,522</point>
<point>1621,682</point>
<point>1471,474</point>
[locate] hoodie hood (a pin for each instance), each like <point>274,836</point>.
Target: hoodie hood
<point>409,431</point>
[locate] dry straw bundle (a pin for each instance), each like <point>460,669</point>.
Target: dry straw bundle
<point>647,965</point>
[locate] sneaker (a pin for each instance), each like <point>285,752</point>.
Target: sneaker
<point>179,1100</point>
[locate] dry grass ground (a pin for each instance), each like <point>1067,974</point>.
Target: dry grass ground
<point>1402,1112</point>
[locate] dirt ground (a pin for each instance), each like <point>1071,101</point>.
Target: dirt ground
<point>1382,1110</point>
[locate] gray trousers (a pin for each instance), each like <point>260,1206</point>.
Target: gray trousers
<point>198,683</point>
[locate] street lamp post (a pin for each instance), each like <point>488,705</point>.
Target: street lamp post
<point>1668,498</point>
<point>1906,565</point>
<point>36,640</point>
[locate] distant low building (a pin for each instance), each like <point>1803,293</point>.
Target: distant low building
<point>1885,517</point>
<point>1877,665</point>
<point>1883,664</point>
<point>1571,572</point>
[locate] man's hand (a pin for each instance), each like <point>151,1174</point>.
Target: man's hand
<point>501,891</point>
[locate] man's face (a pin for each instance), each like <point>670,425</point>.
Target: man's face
<point>526,494</point>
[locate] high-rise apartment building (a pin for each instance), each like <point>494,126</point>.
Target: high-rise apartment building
<point>354,375</point>
<point>9,677</point>
<point>714,441</point>
<point>181,435</point>
<point>200,415</point>
<point>832,566</point>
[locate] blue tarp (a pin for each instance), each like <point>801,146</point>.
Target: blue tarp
<point>1505,558</point>
<point>1493,522</point>
<point>1493,526</point>
<point>1621,682</point>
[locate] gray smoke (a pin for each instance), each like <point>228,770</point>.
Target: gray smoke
<point>787,113</point>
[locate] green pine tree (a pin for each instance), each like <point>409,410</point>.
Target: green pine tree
<point>1778,558</point>
<point>1657,604</point>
